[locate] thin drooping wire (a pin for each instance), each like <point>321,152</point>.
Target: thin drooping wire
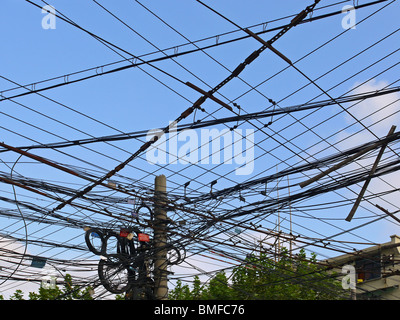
<point>25,226</point>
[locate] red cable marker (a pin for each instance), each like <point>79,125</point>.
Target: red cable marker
<point>143,237</point>
<point>124,233</point>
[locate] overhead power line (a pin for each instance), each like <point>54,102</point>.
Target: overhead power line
<point>225,120</point>
<point>99,71</point>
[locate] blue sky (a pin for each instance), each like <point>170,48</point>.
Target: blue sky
<point>142,99</point>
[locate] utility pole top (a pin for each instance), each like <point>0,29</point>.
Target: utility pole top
<point>161,183</point>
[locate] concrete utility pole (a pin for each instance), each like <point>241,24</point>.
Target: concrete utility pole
<point>160,239</point>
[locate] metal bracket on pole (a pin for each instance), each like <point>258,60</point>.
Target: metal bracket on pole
<point>342,164</point>
<point>367,181</point>
<point>268,45</point>
<point>208,95</point>
<point>387,212</point>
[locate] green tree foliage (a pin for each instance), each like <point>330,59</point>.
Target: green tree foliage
<point>68,292</point>
<point>263,278</point>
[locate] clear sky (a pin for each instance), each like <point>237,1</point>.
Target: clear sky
<point>40,51</point>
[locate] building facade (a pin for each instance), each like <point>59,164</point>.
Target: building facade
<point>375,271</point>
